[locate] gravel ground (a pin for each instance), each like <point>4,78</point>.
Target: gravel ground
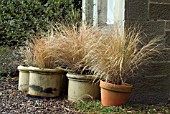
<point>13,101</point>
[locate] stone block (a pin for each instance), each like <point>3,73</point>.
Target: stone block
<point>150,29</point>
<point>160,1</point>
<point>164,55</point>
<point>155,68</point>
<point>167,24</point>
<point>153,28</point>
<point>167,38</point>
<point>168,54</point>
<point>150,90</point>
<point>136,10</point>
<point>159,11</point>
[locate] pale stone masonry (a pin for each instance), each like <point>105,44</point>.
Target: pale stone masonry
<point>152,85</point>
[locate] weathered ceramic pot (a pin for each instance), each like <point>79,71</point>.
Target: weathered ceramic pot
<point>45,82</point>
<point>80,87</point>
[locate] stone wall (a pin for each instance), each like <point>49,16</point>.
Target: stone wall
<point>153,84</point>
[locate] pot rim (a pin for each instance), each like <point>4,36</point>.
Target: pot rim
<point>81,76</point>
<point>36,69</point>
<point>24,68</point>
<point>115,87</point>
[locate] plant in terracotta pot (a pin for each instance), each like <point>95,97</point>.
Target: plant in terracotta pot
<point>115,58</point>
<point>70,47</point>
<point>44,78</point>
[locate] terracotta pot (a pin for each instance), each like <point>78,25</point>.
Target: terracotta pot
<point>45,82</point>
<point>81,87</point>
<point>23,78</point>
<point>114,95</point>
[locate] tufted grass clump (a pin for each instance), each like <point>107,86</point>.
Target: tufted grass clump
<point>72,44</point>
<point>116,56</point>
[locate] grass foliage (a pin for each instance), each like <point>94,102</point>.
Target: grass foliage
<point>72,44</point>
<point>87,49</point>
<point>115,57</point>
<point>64,46</point>
<point>37,53</point>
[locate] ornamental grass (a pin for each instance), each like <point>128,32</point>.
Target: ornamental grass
<point>37,53</point>
<point>115,57</point>
<point>72,44</point>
